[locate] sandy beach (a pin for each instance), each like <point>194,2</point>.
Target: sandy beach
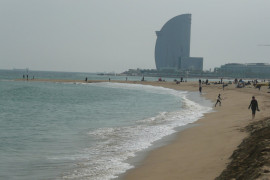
<point>203,151</point>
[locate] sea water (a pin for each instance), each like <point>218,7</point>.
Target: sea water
<point>85,130</point>
<point>18,74</point>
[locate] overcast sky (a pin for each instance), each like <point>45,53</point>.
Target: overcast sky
<point>116,35</point>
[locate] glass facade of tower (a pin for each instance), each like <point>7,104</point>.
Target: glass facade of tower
<point>173,42</point>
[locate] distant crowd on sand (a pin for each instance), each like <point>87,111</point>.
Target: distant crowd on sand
<point>254,106</point>
<point>238,84</point>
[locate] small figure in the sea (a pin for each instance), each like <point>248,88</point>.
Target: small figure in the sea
<point>27,77</point>
<point>254,106</point>
<point>200,81</point>
<point>200,89</point>
<point>142,78</point>
<point>218,100</point>
<point>159,79</point>
<point>109,79</point>
<point>86,79</point>
<point>23,76</point>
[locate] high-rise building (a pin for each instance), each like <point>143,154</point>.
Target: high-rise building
<point>172,49</point>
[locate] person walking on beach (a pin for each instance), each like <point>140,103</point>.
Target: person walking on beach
<point>218,100</point>
<point>254,106</point>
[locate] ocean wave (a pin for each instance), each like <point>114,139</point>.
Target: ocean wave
<point>113,146</point>
<point>140,87</point>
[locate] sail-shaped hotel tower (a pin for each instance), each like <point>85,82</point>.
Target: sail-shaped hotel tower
<point>172,49</point>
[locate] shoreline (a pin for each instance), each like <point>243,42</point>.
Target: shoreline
<point>166,140</point>
<point>142,155</point>
<point>203,151</point>
<point>216,137</point>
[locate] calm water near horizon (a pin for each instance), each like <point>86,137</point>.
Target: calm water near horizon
<point>84,130</point>
<point>18,74</point>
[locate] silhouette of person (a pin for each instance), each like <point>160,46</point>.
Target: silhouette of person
<point>254,106</point>
<point>218,100</point>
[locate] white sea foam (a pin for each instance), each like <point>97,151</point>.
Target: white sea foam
<point>146,88</point>
<point>106,159</point>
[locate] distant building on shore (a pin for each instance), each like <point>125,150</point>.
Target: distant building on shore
<point>172,50</point>
<point>245,70</point>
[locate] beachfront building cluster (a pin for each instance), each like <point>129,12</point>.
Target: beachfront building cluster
<point>245,70</point>
<point>172,50</point>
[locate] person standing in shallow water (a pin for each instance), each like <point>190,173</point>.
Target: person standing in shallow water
<point>254,106</point>
<point>200,89</point>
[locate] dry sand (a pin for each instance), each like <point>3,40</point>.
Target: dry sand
<point>203,151</point>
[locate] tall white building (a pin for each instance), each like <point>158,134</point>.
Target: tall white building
<point>172,50</point>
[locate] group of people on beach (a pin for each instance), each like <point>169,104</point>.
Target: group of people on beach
<point>253,104</point>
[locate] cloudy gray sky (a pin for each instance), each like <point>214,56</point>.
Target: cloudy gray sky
<point>116,35</point>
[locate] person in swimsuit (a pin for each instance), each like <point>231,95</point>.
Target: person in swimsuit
<point>254,106</point>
